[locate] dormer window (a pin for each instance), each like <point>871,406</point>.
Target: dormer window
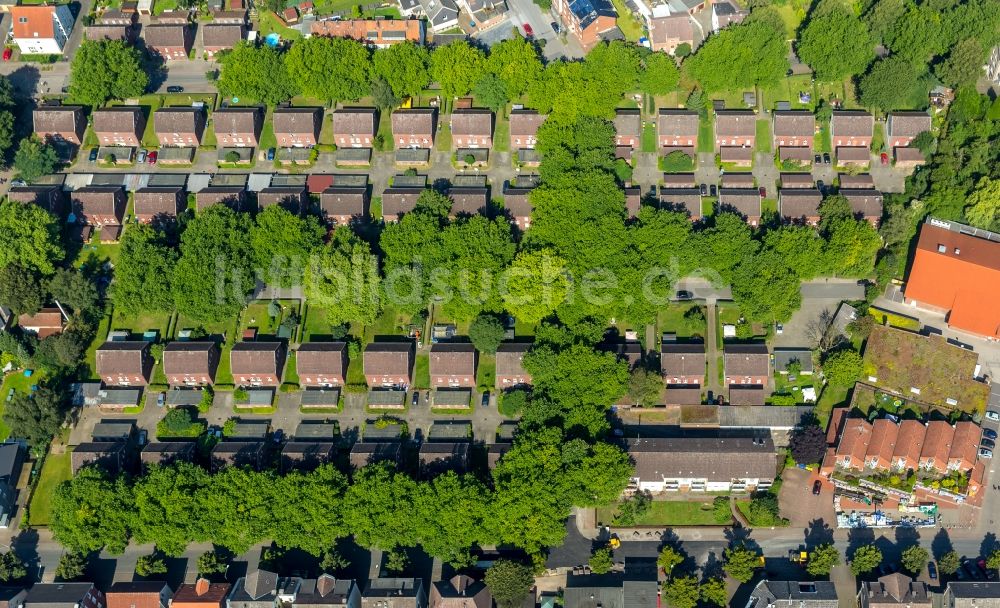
<point>942,248</point>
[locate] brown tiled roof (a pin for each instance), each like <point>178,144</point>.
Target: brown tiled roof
<point>866,202</point>
<point>909,439</point>
<point>121,357</point>
<point>682,180</point>
<point>397,201</point>
<point>747,395</point>
<point>187,357</point>
<point>461,591</point>
<point>200,594</point>
<point>232,16</point>
<point>222,34</point>
<point>683,394</point>
<point>167,452</point>
<point>737,180</point>
<point>163,35</point>
<point>796,180</point>
<point>797,123</point>
<point>526,122</point>
<point>682,359</point>
<point>469,200</point>
<point>799,202</point>
<point>671,27</point>
<point>107,32</point>
<point>907,154</point>
<point>321,358</point>
<point>297,120</point>
<point>355,120</point>
<point>628,122</point>
<point>677,122</point>
<point>256,357</point>
<point>56,118</point>
<point>515,200</point>
<point>388,358</point>
<point>472,121</point>
<point>895,590</point>
<point>747,360</point>
<point>509,358</point>
<point>740,123</point>
<point>236,120</point>
<point>293,196</point>
<point>344,201</point>
<point>863,181</point>
<point>115,17</point>
<point>47,320</point>
<point>158,201</point>
<point>854,441</point>
<point>745,201</point>
<point>120,119</point>
<point>682,199</point>
<point>800,154</point>
<point>453,360</point>
<point>713,458</point>
<point>853,154</point>
<point>735,154</point>
<point>851,123</point>
<point>413,121</point>
<point>230,195</point>
<point>136,594</point>
<point>908,124</point>
<point>883,441</point>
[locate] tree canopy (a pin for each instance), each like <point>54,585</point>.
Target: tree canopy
<point>34,158</point>
<point>752,53</point>
<point>344,279</point>
<point>144,272</point>
<point>335,69</point>
<point>456,66</point>
<point>835,42</point>
<point>30,237</point>
<point>405,67</point>
<point>256,73</point>
<point>106,69</point>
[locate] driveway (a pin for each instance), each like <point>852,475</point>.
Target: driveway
<point>526,11</point>
<point>803,509</point>
<point>837,289</point>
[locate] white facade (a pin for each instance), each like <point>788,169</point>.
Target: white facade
<point>62,26</point>
<point>699,484</point>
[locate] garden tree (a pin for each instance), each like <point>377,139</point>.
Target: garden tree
<point>726,245</point>
<point>630,510</point>
<point>681,592</point>
<point>62,351</point>
<point>492,92</point>
<point>91,512</point>
<point>486,333</point>
<point>150,565</point>
<point>668,558</point>
<point>713,591</point>
<point>963,65</point>
<point>843,367</point>
<point>106,69</point>
<point>34,159</point>
<point>457,67</point>
<point>822,559</point>
<point>144,271</point>
<point>377,508</point>
<point>865,559</point>
<point>210,563</point>
<point>516,64</point>
<point>851,247</point>
<point>404,67</point>
<point>993,560</point>
<point>396,560</point>
<point>948,563</point>
<point>537,282</point>
<point>509,582</point>
<point>924,141</point>
<point>763,509</point>
<point>343,279</point>
<point>382,95</point>
<point>752,53</point>
<point>659,75</point>
<point>914,559</point>
<point>740,562</point>
<point>166,499</point>
<point>835,42</point>
<point>474,252</point>
<point>6,132</point>
<point>72,565</point>
<point>983,205</point>
<point>71,288</point>
<point>21,290</point>
<point>36,416</point>
<point>917,35</point>
<point>334,69</point>
<point>255,73</point>
<point>282,242</point>
<point>883,15</point>
<point>14,349</point>
<point>334,561</point>
<point>513,402</point>
<point>766,288</point>
<point>29,236</point>
<point>452,515</point>
<point>808,443</point>
<point>618,62</point>
<point>888,84</point>
<point>832,210</point>
<point>800,246</point>
<point>600,561</point>
<point>12,568</point>
<point>214,273</point>
<point>644,387</point>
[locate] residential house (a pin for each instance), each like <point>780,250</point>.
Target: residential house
<point>119,126</point>
<point>158,204</point>
<point>201,594</point>
<point>909,441</point>
<point>258,589</point>
<point>866,203</point>
<point>587,20</point>
<point>41,30</point>
<point>56,123</point>
<point>902,127</point>
<point>321,364</point>
<point>895,590</point>
<point>744,201</point>
<point>44,323</point>
<point>64,595</point>
<point>510,370</point>
<point>468,201</point>
<point>882,444</point>
<point>796,180</point>
<point>794,129</point>
<point>460,591</point>
<point>414,127</point>
<point>611,593</point>
<point>737,180</point>
<point>179,126</point>
<point>851,129</point>
<point>139,594</point>
<point>297,127</point>
<point>164,453</point>
<point>683,363</point>
<point>524,128</point>
<point>293,199</point>
<point>937,447</point>
<point>726,13</point>
<point>800,205</point>
<point>854,157</point>
<point>99,205</point>
<point>439,457</point>
<point>793,594</point>
<point>12,456</point>
<point>109,455</point>
<point>217,37</point>
<point>702,464</point>
<point>441,15</point>
<point>306,455</point>
<point>784,358</point>
<point>670,31</point>
<point>238,127</point>
<point>686,200</point>
<point>250,454</point>
<point>380,33</point>
<point>907,158</point>
<point>257,363</point>
<point>956,273</point>
<point>453,365</point>
<point>964,446</point>
<point>517,206</point>
<point>398,201</point>
<point>169,40</point>
<point>677,131</point>
<point>495,452</point>
<point>190,363</point>
<point>127,363</point>
<point>852,448</point>
<point>394,593</point>
<point>47,196</point>
<point>970,595</point>
<point>364,453</point>
<point>628,131</point>
<point>747,364</point>
<point>327,591</point>
<point>633,200</point>
<point>230,196</point>
<point>485,13</point>
<point>471,128</point>
<point>355,127</point>
<point>735,129</point>
<point>861,181</point>
<point>340,205</point>
<point>389,364</point>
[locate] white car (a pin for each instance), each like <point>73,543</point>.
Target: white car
<point>993,415</point>
<point>984,453</point>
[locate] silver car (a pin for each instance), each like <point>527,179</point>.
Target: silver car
<point>984,453</point>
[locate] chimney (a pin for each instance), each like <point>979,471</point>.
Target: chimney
<point>201,586</point>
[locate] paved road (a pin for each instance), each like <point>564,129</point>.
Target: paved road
<point>526,11</point>
<point>833,289</point>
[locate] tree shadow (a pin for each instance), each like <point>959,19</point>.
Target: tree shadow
<point>989,544</point>
<point>906,537</point>
<point>818,533</point>
<point>941,544</point>
<point>712,567</point>
<point>737,535</point>
<point>857,538</point>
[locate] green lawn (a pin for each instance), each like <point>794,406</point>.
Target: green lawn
<point>55,471</point>
<point>822,143</point>
<point>422,372</point>
<point>160,322</point>
<point>443,138</point>
<point>708,205</point>
<point>649,137</point>
<point>267,138</point>
<point>672,513</point>
<point>632,29</point>
<point>486,372</point>
<point>291,373</point>
<point>522,328</point>
<point>764,136</point>
<point>356,370</point>
<point>21,384</point>
<point>706,135</point>
<point>314,323</point>
<point>672,319</point>
<point>791,15</point>
<point>269,22</point>
<point>501,135</point>
<point>257,315</point>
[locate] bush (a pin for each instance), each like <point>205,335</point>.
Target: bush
<point>207,398</point>
<point>721,510</point>
<point>513,402</point>
<point>288,387</point>
<point>179,423</point>
<point>677,162</point>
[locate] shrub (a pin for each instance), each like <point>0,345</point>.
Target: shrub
<point>677,162</point>
<point>179,423</point>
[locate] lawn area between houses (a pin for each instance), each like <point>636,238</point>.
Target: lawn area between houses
<point>674,318</point>
<point>706,135</point>
<point>764,136</point>
<point>55,471</point>
<point>20,383</point>
<point>486,372</point>
<point>672,513</point>
<point>158,322</point>
<point>422,372</point>
<point>501,135</point>
<point>649,137</point>
<point>269,22</point>
<point>631,28</point>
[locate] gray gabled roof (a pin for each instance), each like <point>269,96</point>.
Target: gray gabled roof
<point>794,594</point>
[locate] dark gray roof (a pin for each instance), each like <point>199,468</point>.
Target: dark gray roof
<point>975,591</point>
<point>629,594</point>
<point>56,595</point>
<point>713,458</point>
<point>258,585</point>
<point>794,594</point>
<point>784,356</point>
<point>762,416</point>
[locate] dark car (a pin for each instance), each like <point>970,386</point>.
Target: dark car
<point>270,154</point>
<point>932,570</point>
<point>175,89</point>
<point>486,399</point>
<point>415,398</point>
<point>817,486</point>
<point>762,191</point>
<point>278,436</point>
<point>988,443</point>
<point>818,159</point>
<point>704,189</point>
<point>989,434</point>
<point>826,158</point>
<point>555,27</point>
<point>93,155</point>
<point>711,190</point>
<point>973,571</point>
<point>989,573</point>
<point>821,186</point>
<point>684,295</point>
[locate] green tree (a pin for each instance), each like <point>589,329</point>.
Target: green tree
<point>282,243</point>
<point>382,95</point>
<point>659,75</point>
<point>808,444</point>
<point>209,563</point>
<point>106,69</point>
<point>255,73</point>
<point>21,290</point>
<point>963,65</point>
<point>335,69</point>
<point>766,287</point>
<point>334,561</point>
<point>753,53</point>
<point>150,565</point>
<point>29,236</point>
<point>405,67</point>
<point>914,559</point>
<point>71,288</point>
<point>822,559</point>
<point>835,42</point>
<point>865,559</point>
<point>12,568</point>
<point>509,582</point>
<point>617,63</point>
<point>949,563</point>
<point>91,512</point>
<point>888,84</point>
<point>851,247</point>
<point>843,367</point>
<point>396,560</point>
<point>764,510</point>
<point>536,285</point>
<point>72,566</point>
<point>144,272</point>
<point>993,560</point>
<point>645,388</point>
<point>34,159</point>
<point>492,92</point>
<point>486,333</point>
<point>377,507</point>
<point>343,279</point>
<point>457,67</point>
<point>600,561</point>
<point>62,351</point>
<point>681,592</point>
<point>983,205</point>
<point>668,558</point>
<point>36,416</point>
<point>713,591</point>
<point>740,562</point>
<point>515,63</point>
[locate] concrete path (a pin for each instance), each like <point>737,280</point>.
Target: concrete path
<point>711,351</point>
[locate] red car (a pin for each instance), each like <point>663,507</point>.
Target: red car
<point>885,158</point>
<point>762,191</point>
<point>151,159</point>
<point>8,53</point>
<point>528,31</point>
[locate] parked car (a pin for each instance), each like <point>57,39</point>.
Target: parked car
<point>528,31</point>
<point>711,190</point>
<point>8,53</point>
<point>762,191</point>
<point>555,27</point>
<point>993,415</point>
<point>161,399</point>
<point>93,155</point>
<point>984,453</point>
<point>989,434</point>
<point>817,487</point>
<point>779,328</point>
<point>989,573</point>
<point>973,571</point>
<point>151,159</point>
<point>817,160</point>
<point>884,158</point>
<point>415,399</point>
<point>270,154</point>
<point>278,436</point>
<point>826,158</point>
<point>486,399</point>
<point>18,182</point>
<point>988,443</point>
<point>704,189</point>
<point>175,89</point>
<point>141,158</point>
<point>142,437</point>
<point>932,570</point>
<point>821,186</point>
<point>683,295</point>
